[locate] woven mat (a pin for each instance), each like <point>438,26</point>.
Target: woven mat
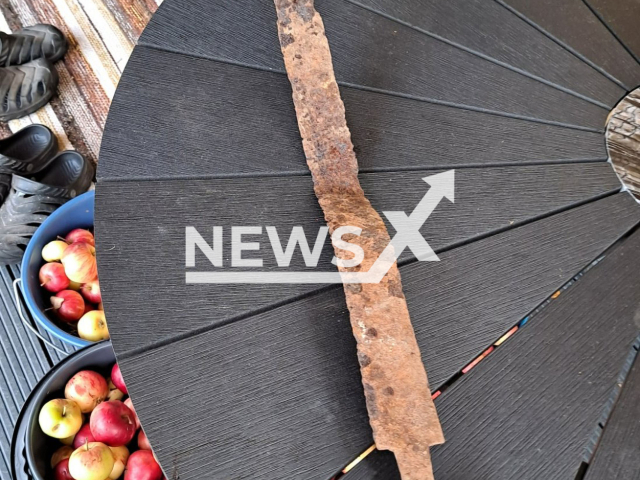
<point>101,34</point>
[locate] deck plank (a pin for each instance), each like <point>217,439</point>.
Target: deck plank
<point>285,383</point>
<point>621,17</point>
<point>497,33</point>
<point>22,363</point>
<point>488,200</point>
<point>617,455</point>
<point>528,410</point>
<point>574,25</point>
<point>364,44</point>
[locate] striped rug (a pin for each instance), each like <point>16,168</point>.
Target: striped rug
<point>101,34</point>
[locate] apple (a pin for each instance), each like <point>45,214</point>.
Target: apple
<point>88,308</point>
<point>142,466</point>
<point>129,404</point>
<point>87,388</point>
<point>79,260</point>
<point>113,423</point>
<point>68,441</point>
<point>61,471</point>
<point>83,436</point>
<point>68,305</point>
<point>53,278</point>
<point>91,291</point>
<point>116,378</point>
<point>114,392</point>
<point>143,441</point>
<point>93,326</point>
<point>61,454</point>
<point>75,286</point>
<point>92,461</point>
<point>52,251</point>
<point>120,456</point>
<point>80,235</point>
<point>60,418</point>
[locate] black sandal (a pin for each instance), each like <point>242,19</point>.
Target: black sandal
<point>31,43</point>
<point>31,201</point>
<point>25,152</point>
<point>26,88</point>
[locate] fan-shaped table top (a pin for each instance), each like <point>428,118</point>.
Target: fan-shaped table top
<point>538,252</point>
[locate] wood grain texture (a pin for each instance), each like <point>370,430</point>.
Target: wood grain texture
<point>290,398</point>
<point>617,454</point>
<point>623,140</point>
<point>574,25</point>
<point>493,31</point>
<point>488,200</point>
<point>528,410</point>
<point>622,18</point>
<point>236,120</point>
<point>365,45</point>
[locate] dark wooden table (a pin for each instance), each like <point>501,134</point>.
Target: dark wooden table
<point>539,271</point>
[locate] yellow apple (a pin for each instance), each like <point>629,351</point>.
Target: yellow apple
<point>114,392</point>
<point>52,251</point>
<point>92,461</point>
<point>120,457</point>
<point>93,326</point>
<point>60,418</point>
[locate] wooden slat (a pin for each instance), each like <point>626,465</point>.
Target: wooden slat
<point>574,25</point>
<point>621,17</point>
<point>284,386</point>
<point>494,32</point>
<point>370,51</point>
<point>618,455</point>
<point>528,410</point>
<point>488,200</point>
<point>235,120</point>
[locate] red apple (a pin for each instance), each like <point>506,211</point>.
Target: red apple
<point>53,278</point>
<point>113,423</point>
<point>61,454</point>
<point>88,307</point>
<point>83,436</point>
<point>129,404</point>
<point>142,466</point>
<point>91,291</point>
<point>61,471</point>
<point>68,305</point>
<point>116,378</point>
<point>80,235</point>
<point>88,389</point>
<point>143,441</point>
<point>79,260</point>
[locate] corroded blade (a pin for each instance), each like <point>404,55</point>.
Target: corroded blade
<point>401,412</point>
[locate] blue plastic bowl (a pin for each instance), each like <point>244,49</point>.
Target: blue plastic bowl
<point>77,213</point>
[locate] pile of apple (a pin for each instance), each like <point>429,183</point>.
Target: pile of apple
<point>71,275</point>
<point>97,429</point>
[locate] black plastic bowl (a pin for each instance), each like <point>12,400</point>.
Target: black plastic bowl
<point>40,447</point>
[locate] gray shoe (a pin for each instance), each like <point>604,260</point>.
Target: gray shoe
<point>25,152</point>
<point>31,43</point>
<point>26,88</point>
<point>32,200</point>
